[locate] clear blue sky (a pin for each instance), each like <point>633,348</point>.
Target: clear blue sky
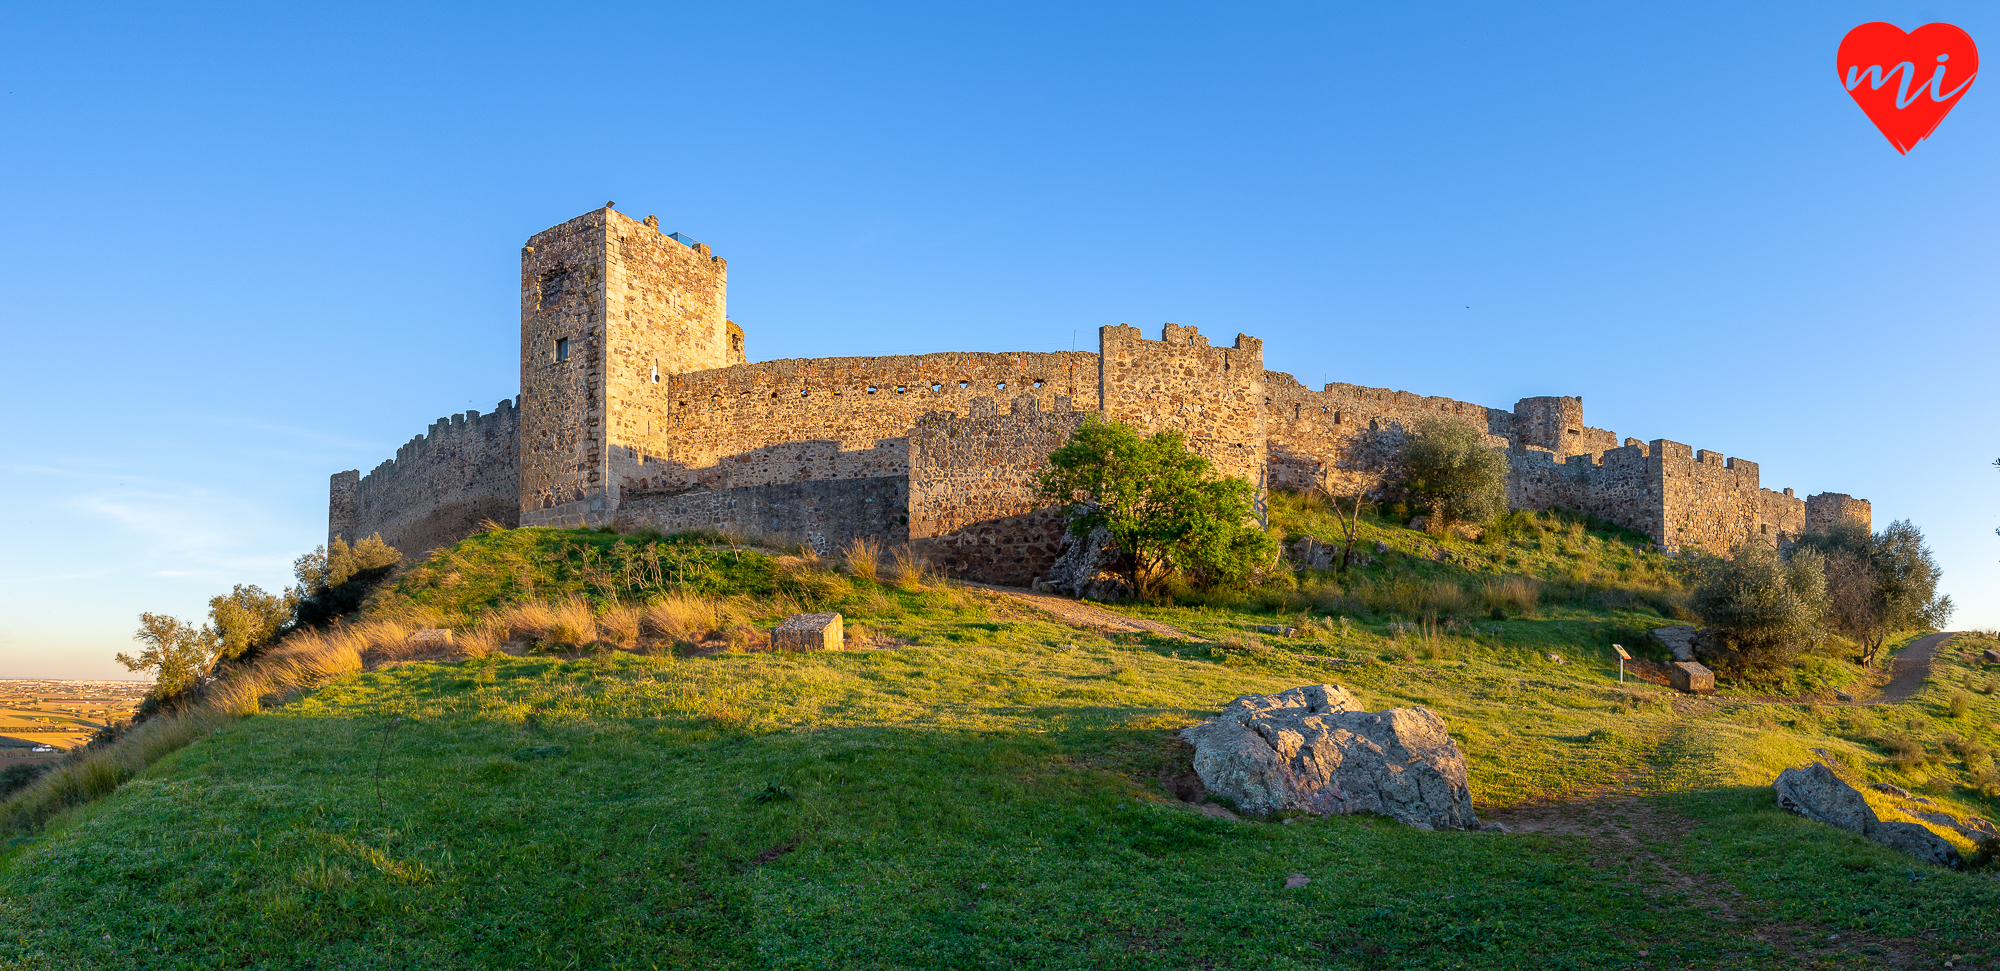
<point>246,248</point>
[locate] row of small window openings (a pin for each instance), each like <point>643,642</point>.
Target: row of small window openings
<point>871,389</point>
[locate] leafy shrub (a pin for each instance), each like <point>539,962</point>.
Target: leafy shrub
<point>17,776</point>
<point>1451,471</point>
<point>335,579</point>
<point>1164,507</point>
<point>1761,610</point>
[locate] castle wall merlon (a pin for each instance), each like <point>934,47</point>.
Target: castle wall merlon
<point>1213,396</point>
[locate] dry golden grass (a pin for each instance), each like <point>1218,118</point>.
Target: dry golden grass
<point>574,622</point>
<point>1514,595</point>
<point>620,625</point>
<point>908,569</point>
<point>481,640</point>
<point>528,621</point>
<point>682,617</point>
<point>861,556</point>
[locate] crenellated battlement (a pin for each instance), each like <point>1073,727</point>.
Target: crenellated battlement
<point>464,470</point>
<point>638,404</point>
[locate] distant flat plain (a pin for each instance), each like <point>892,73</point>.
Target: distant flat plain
<point>59,714</point>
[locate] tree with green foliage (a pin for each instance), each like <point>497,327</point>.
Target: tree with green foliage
<point>178,653</point>
<point>1164,507</point>
<point>1450,470</point>
<point>1880,584</point>
<point>248,620</point>
<point>1761,609</point>
<point>334,579</point>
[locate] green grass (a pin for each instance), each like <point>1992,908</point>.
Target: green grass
<point>986,793</point>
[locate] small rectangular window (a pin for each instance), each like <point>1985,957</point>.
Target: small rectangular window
<point>562,349</point>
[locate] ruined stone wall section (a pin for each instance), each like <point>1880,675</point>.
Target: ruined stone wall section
<point>822,418</point>
<point>1213,395</point>
<point>1827,508</point>
<point>973,510</point>
<point>563,460</point>
<point>823,514</point>
<point>440,486</point>
<point>1619,484</point>
<point>1339,435</point>
<point>341,510</point>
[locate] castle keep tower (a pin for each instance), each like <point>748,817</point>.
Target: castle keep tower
<point>610,308</point>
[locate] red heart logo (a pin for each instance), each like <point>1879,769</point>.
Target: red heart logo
<point>1906,83</point>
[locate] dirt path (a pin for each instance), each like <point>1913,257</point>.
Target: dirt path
<point>1907,673</point>
<point>1076,613</point>
<point>1909,670</point>
<point>1625,832</point>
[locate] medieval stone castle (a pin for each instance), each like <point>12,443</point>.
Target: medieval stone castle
<point>638,406</point>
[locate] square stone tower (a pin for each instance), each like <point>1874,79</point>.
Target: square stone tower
<point>610,307</point>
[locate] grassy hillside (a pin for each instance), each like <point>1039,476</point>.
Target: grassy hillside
<point>621,779</point>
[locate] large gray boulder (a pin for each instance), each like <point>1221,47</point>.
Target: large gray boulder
<point>1816,793</point>
<point>1917,841</point>
<point>1312,749</point>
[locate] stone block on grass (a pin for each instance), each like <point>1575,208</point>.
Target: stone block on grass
<point>808,632</point>
<point>1692,677</point>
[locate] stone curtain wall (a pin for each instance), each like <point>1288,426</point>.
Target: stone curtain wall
<point>654,405</point>
<point>972,489</point>
<point>1619,484</point>
<point>1213,395</point>
<point>1715,503</point>
<point>1338,434</point>
<point>822,418</point>
<point>437,490</point>
<point>823,514</point>
<point>562,402</point>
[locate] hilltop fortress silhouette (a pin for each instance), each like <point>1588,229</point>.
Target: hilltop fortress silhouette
<point>638,407</point>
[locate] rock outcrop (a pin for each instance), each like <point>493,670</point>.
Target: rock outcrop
<point>1312,749</point>
<point>1086,567</point>
<point>1816,793</point>
<point>1678,639</point>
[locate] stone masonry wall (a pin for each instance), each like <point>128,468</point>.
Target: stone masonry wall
<point>562,400</point>
<point>1619,484</point>
<point>1333,436</point>
<point>822,418</point>
<point>1712,503</point>
<point>1827,508</point>
<point>972,489</point>
<point>437,490</point>
<point>823,514</point>
<point>651,405</point>
<point>1213,395</point>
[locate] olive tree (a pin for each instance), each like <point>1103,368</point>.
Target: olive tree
<point>1448,468</point>
<point>176,651</point>
<point>247,619</point>
<point>334,579</point>
<point>1162,504</point>
<point>1880,584</point>
<point>1760,608</point>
